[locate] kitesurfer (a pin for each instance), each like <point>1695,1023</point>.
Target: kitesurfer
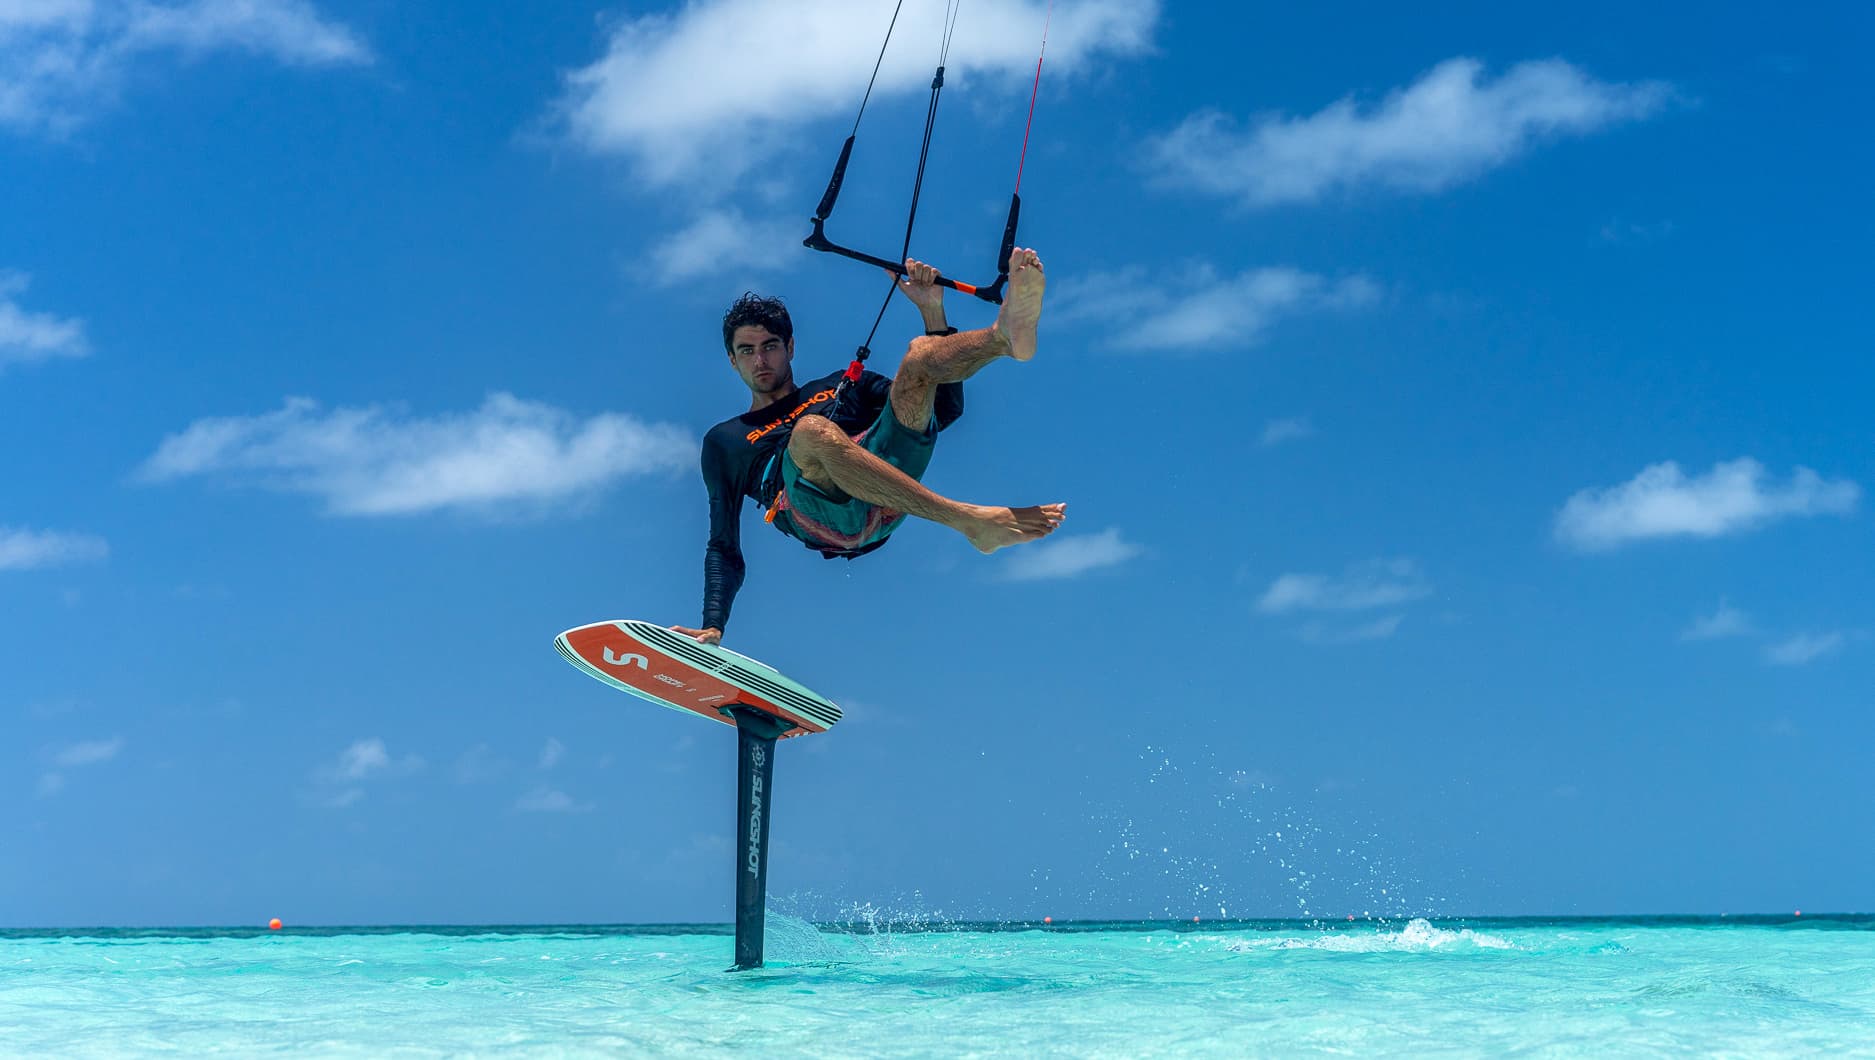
<point>842,475</point>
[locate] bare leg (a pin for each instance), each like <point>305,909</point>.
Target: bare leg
<point>935,359</point>
<point>826,456</point>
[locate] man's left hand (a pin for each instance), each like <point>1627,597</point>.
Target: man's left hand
<point>702,636</point>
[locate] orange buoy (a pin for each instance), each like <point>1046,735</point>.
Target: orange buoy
<point>274,924</point>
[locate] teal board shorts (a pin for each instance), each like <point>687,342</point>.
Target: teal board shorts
<point>834,522</point>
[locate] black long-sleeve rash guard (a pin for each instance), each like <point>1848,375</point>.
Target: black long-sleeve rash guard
<point>736,454</point>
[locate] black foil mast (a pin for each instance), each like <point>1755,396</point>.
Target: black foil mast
<point>756,732</point>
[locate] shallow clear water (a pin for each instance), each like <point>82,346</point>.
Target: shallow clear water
<point>1575,987</point>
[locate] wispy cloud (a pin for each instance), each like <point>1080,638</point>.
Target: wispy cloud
<point>1371,584</point>
<point>61,60</point>
<point>1069,556</point>
<point>340,782</point>
<point>382,461</point>
<point>1788,649</point>
<point>89,753</point>
<point>1195,307</point>
<point>548,800</point>
<point>360,760</point>
<point>1727,621</point>
<point>28,336</point>
<point>552,753</point>
<point>721,241</point>
<point>1317,632</point>
<point>22,549</point>
<point>1662,501</point>
<point>75,756</point>
<point>1448,127</point>
<point>645,101</point>
<point>1803,648</point>
<point>1276,432</point>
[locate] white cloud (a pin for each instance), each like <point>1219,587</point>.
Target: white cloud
<point>1276,432</point>
<point>368,758</point>
<point>1803,648</point>
<point>1662,501</point>
<point>719,241</point>
<point>1379,629</point>
<point>26,336</point>
<point>22,549</point>
<point>1062,556</point>
<point>361,759</point>
<point>1375,583</point>
<point>1197,308</point>
<point>547,800</point>
<point>75,756</point>
<point>1443,129</point>
<point>340,781</point>
<point>551,754</point>
<point>86,754</point>
<point>379,461</point>
<point>1727,621</point>
<point>60,60</point>
<point>715,88</point>
<point>291,31</point>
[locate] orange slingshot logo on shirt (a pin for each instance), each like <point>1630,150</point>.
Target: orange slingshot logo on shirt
<point>824,395</point>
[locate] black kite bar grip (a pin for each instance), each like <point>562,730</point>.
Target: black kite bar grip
<point>994,292</point>
<point>833,183</point>
<point>1009,236</point>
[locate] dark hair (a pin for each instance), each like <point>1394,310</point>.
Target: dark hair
<point>752,309</point>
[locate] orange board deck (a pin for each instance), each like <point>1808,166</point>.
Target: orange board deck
<point>679,673</point>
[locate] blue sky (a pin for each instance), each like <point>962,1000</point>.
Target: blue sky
<point>1463,419</point>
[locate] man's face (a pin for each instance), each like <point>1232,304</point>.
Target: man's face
<point>765,363</point>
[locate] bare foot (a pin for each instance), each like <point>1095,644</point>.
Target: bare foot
<point>995,528</point>
<point>1022,306</point>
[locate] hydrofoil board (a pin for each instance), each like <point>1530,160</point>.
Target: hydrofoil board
<point>682,673</point>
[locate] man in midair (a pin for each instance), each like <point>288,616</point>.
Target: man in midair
<point>842,475</point>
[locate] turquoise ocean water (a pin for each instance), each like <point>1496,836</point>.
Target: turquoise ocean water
<point>1755,986</point>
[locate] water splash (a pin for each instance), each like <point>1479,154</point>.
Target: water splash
<point>1417,936</point>
<point>1211,842</point>
<point>791,941</point>
<point>809,927</point>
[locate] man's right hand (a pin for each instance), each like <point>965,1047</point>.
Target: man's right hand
<point>920,285</point>
<point>705,636</point>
